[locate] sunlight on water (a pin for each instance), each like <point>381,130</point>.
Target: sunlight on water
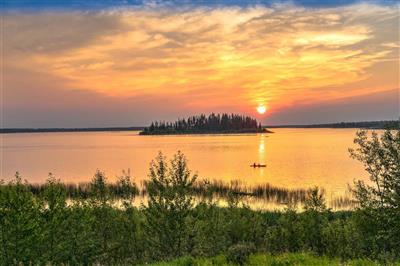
<point>295,158</point>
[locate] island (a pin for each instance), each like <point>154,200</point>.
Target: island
<point>202,124</point>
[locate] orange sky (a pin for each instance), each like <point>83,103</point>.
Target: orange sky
<point>176,62</point>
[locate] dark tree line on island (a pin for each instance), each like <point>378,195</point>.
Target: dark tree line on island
<point>51,229</point>
<point>214,123</point>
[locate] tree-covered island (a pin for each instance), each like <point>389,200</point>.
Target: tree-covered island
<point>202,124</point>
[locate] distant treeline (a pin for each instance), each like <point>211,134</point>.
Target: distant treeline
<point>179,127</point>
<point>384,124</point>
<point>89,129</point>
<point>202,124</point>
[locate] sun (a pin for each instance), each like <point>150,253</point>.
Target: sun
<point>261,109</point>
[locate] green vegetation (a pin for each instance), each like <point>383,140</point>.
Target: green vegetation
<point>47,228</point>
<point>201,124</point>
<point>269,259</point>
<point>200,189</point>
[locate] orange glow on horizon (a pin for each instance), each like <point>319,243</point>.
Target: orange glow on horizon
<point>208,58</point>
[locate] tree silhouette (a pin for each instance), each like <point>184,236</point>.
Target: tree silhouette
<point>214,123</point>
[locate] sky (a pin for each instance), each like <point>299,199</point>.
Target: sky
<point>127,63</point>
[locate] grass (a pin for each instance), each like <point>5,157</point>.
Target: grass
<point>286,259</point>
<point>211,189</point>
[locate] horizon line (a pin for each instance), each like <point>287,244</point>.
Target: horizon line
<point>128,128</point>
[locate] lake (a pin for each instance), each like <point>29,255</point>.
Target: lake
<point>295,158</point>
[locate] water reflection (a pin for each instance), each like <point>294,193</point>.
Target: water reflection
<point>295,158</point>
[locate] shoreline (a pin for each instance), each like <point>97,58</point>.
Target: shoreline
<point>371,125</point>
<point>66,130</point>
<point>142,133</point>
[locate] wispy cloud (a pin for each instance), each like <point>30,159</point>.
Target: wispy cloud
<point>209,57</point>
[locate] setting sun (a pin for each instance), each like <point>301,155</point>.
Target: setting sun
<point>261,109</point>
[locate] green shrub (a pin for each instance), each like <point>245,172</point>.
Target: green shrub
<point>292,259</point>
<point>379,200</point>
<point>239,253</point>
<point>186,261</point>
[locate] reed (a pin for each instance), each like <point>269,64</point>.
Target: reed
<point>342,202</point>
<point>215,189</point>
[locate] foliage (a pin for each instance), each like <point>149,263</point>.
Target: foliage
<point>19,223</point>
<point>315,201</point>
<point>239,253</point>
<point>169,206</point>
<point>54,214</point>
<point>284,259</point>
<point>126,189</point>
<point>379,199</point>
<point>314,221</point>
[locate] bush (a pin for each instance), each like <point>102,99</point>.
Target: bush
<point>379,200</point>
<point>239,253</point>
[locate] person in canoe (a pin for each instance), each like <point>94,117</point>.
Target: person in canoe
<point>254,165</point>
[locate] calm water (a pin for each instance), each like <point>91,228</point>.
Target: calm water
<point>295,158</point>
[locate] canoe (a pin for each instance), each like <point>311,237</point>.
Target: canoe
<point>258,165</point>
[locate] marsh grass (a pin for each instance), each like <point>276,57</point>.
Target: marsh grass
<point>259,195</point>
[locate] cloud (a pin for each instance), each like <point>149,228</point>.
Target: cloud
<point>369,107</point>
<point>207,58</point>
